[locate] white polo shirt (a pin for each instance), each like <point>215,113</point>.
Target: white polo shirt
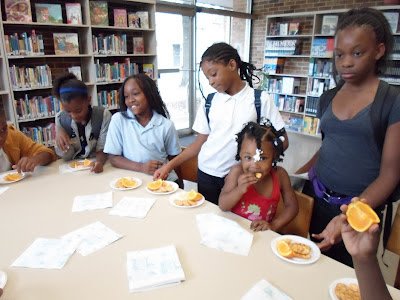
<point>5,164</point>
<point>227,116</point>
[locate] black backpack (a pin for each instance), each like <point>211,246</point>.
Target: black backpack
<point>97,121</point>
<point>380,111</point>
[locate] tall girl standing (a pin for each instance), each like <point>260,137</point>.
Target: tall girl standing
<point>350,163</point>
<point>231,107</point>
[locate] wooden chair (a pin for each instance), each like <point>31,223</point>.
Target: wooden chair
<point>393,244</point>
<point>301,223</point>
<point>189,169</point>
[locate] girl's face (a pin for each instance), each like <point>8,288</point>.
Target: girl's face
<point>220,76</point>
<point>249,157</point>
<point>356,53</point>
<point>78,109</point>
<point>135,99</point>
<point>3,132</point>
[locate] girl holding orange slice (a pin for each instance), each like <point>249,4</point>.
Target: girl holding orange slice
<point>350,161</point>
<point>256,197</point>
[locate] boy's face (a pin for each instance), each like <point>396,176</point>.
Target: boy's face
<point>77,109</point>
<point>3,132</point>
<point>220,76</point>
<point>253,163</point>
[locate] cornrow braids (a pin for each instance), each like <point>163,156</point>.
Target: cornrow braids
<point>223,53</point>
<point>261,133</point>
<point>67,87</point>
<point>149,89</point>
<point>377,22</point>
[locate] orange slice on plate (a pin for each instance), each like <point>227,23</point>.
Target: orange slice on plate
<point>12,176</point>
<point>361,216</point>
<point>128,182</point>
<point>87,162</point>
<point>194,196</point>
<point>155,185</point>
<point>284,249</point>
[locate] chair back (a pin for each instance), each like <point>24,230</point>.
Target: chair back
<point>393,244</point>
<point>189,169</point>
<point>301,223</point>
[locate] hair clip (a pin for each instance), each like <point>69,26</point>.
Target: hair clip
<point>265,122</point>
<point>257,155</point>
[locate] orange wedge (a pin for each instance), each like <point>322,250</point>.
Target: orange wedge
<point>192,194</point>
<point>13,176</point>
<point>128,182</point>
<point>361,216</point>
<point>155,185</point>
<point>284,249</point>
<point>87,162</point>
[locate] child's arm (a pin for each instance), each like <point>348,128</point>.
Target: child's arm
<point>63,142</point>
<point>191,151</point>
<point>308,165</point>
<point>236,184</point>
<point>177,170</point>
<point>148,167</point>
<point>363,246</point>
<point>101,158</point>
<point>290,202</point>
<point>28,164</point>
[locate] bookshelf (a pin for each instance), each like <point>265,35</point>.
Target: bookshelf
<point>300,46</point>
<point>33,48</point>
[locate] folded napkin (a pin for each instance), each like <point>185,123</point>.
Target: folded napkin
<point>132,207</point>
<point>263,290</point>
<point>153,268</point>
<point>91,202</point>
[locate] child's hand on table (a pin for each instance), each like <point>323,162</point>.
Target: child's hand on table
<point>62,140</point>
<point>26,164</point>
<point>161,173</point>
<point>260,225</point>
<point>151,166</point>
<point>96,167</point>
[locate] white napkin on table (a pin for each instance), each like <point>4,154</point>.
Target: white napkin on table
<point>263,290</point>
<point>91,202</point>
<point>132,207</point>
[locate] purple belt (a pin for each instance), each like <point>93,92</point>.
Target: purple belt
<point>320,190</point>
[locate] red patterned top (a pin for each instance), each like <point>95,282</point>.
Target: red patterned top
<point>254,206</point>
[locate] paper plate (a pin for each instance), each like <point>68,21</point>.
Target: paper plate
<point>175,187</point>
<point>315,252</point>
<point>181,196</point>
<point>4,181</point>
<point>80,168</point>
<point>3,279</point>
<point>137,180</point>
<point>341,280</point>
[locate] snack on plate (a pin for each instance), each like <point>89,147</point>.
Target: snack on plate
<point>125,182</point>
<point>160,186</point>
<point>347,292</point>
<point>12,176</point>
<point>258,175</point>
<point>77,165</point>
<point>188,198</point>
<point>289,249</point>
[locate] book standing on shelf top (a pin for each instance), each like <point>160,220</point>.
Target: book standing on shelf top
<point>99,12</point>
<point>74,13</point>
<point>393,20</point>
<point>329,23</point>
<point>294,28</point>
<point>18,10</point>
<point>283,28</point>
<point>148,70</point>
<point>144,19</point>
<point>138,45</point>
<point>76,70</point>
<point>48,13</point>
<point>66,43</point>
<point>120,17</point>
<point>133,20</point>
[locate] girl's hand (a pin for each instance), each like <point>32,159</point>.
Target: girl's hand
<point>151,166</point>
<point>161,173</point>
<point>245,180</point>
<point>26,164</point>
<point>260,225</point>
<point>331,234</point>
<point>96,167</point>
<point>62,140</point>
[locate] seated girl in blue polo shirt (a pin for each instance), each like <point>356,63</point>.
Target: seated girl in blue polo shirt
<point>141,137</point>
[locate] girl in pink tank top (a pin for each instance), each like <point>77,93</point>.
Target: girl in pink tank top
<point>254,187</point>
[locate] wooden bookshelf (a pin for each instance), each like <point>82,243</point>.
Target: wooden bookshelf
<point>86,58</point>
<point>297,64</point>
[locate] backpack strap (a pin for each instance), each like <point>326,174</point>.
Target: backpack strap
<point>327,98</point>
<point>97,121</point>
<point>208,105</point>
<point>257,103</point>
<point>65,121</point>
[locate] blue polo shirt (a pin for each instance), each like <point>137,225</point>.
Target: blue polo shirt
<point>126,137</point>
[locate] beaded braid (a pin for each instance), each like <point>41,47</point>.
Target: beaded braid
<point>260,133</point>
<point>149,89</point>
<point>377,22</point>
<point>223,53</point>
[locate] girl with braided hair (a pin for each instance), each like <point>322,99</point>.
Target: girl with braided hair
<point>254,187</point>
<point>233,105</point>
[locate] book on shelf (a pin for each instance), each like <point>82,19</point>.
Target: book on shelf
<point>76,70</point>
<point>30,77</point>
<point>115,72</point>
<point>143,19</point>
<point>320,67</point>
<point>274,29</point>
<point>310,125</point>
<point>36,107</point>
<point>329,23</point>
<point>48,13</point>
<point>282,47</point>
<point>393,20</point>
<point>66,43</point>
<point>98,12</point>
<point>138,45</point>
<point>317,86</point>
<point>274,65</point>
<point>283,28</point>
<point>148,69</point>
<point>396,48</point>
<point>74,13</point>
<point>290,85</point>
<point>108,99</point>
<point>133,20</point>
<point>18,10</point>
<point>109,44</point>
<point>294,28</point>
<point>41,135</point>
<point>322,47</point>
<point>293,123</point>
<point>120,18</point>
<point>311,105</point>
